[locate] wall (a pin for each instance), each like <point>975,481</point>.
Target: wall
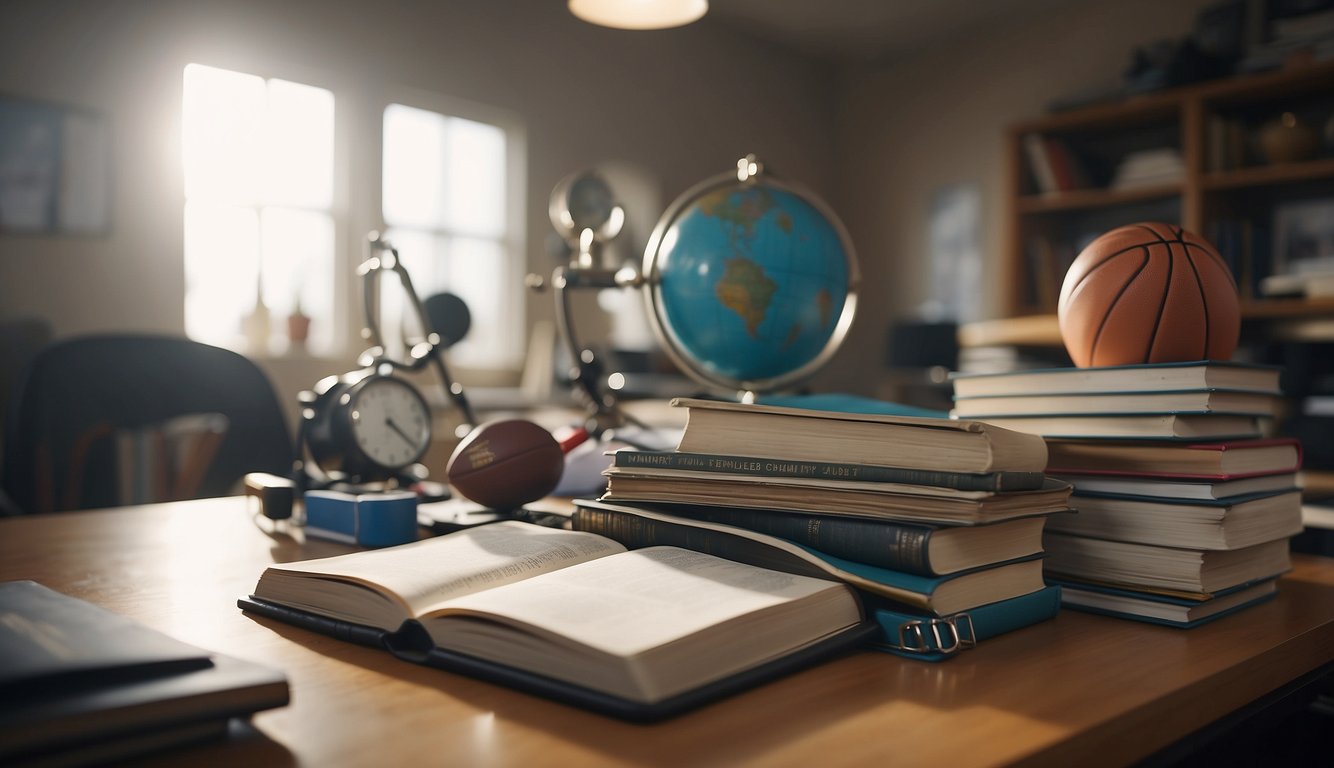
<point>908,128</point>
<point>679,105</point>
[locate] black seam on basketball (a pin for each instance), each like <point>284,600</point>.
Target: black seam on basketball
<point>1162,304</point>
<point>1095,267</point>
<point>1093,348</point>
<point>1152,231</point>
<point>1218,259</point>
<point>1204,302</point>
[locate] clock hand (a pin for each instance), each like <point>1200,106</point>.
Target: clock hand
<point>399,431</point>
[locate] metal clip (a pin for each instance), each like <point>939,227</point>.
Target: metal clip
<point>945,635</point>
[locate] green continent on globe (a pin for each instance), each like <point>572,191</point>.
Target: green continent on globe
<point>746,290</point>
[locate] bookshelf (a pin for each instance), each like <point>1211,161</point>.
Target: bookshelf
<point>1217,184</point>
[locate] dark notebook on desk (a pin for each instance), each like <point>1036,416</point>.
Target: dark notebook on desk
<point>79,684</point>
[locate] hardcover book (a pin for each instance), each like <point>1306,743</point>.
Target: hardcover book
<point>916,548</point>
<point>756,466</point>
<point>1189,573</point>
<point>1164,609</point>
<point>80,684</point>
<point>1146,377</point>
<point>639,527</point>
<point>1158,426</point>
<point>1187,488</point>
<point>570,615</point>
<point>1205,460</point>
<point>872,501</point>
<point>1188,401</point>
<point>798,434</point>
<point>1191,524</point>
<point>929,638</point>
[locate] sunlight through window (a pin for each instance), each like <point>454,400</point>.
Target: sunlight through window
<point>445,192</point>
<point>259,224</point>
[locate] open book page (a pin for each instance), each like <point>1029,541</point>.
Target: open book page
<point>418,575</point>
<point>640,600</point>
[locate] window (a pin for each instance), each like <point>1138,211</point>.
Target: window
<point>447,192</point>
<point>259,219</point>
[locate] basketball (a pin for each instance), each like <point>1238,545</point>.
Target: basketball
<point>1148,293</point>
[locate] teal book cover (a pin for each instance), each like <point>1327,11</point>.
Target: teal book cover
<point>927,638</point>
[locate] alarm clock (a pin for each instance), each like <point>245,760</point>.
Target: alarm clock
<point>366,426</point>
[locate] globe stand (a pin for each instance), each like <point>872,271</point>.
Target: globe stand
<point>586,217</point>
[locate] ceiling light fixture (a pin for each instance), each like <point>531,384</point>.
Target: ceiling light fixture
<point>639,14</point>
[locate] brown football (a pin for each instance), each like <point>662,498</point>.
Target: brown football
<point>506,464</point>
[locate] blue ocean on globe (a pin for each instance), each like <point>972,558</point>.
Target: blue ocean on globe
<point>752,282</point>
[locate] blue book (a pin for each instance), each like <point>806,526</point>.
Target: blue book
<point>928,638</point>
<point>636,527</point>
<point>1168,610</point>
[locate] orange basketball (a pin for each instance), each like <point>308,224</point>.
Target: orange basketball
<point>1148,293</point>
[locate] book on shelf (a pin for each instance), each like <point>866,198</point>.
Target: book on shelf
<point>909,547</point>
<point>1066,166</point>
<point>635,526</point>
<point>866,500</point>
<point>1156,426</point>
<point>1197,401</point>
<point>937,638</point>
<point>1191,573</point>
<point>758,466</point>
<point>1192,524</point>
<point>1147,486</point>
<point>80,684</point>
<point>797,434</point>
<point>1211,461</point>
<point>570,615</point>
<point>1164,609</point>
<point>1039,164</point>
<point>1145,377</point>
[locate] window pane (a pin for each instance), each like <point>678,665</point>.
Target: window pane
<point>479,273</point>
<point>299,145</point>
<point>221,270</point>
<point>414,162</point>
<point>222,119</point>
<point>297,248</point>
<point>475,173</point>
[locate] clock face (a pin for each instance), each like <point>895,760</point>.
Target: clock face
<point>390,422</point>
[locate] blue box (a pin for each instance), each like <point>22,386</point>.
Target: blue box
<point>369,519</point>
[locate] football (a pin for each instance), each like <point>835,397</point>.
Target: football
<point>506,464</point>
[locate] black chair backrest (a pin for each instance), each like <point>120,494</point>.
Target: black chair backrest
<point>66,441</point>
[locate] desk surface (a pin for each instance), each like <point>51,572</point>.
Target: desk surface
<point>1080,689</point>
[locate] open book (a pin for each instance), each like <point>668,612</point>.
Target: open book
<point>570,615</point>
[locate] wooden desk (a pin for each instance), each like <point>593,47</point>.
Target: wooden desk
<point>1081,689</point>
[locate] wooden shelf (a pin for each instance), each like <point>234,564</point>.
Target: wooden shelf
<point>1044,331</point>
<point>1226,205</point>
<point>1079,199</point>
<point>1269,175</point>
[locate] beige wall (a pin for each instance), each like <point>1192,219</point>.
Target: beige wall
<point>682,105</point>
<point>912,127</point>
<point>678,105</point>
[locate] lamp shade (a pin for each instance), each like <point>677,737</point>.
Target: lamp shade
<point>639,14</point>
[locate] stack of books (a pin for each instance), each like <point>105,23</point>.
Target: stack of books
<point>937,522</point>
<point>1184,510</point>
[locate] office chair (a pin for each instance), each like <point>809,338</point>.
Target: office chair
<point>105,420</point>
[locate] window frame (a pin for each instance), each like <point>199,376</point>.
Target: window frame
<point>513,241</point>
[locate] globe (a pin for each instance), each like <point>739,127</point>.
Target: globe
<point>751,282</point>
